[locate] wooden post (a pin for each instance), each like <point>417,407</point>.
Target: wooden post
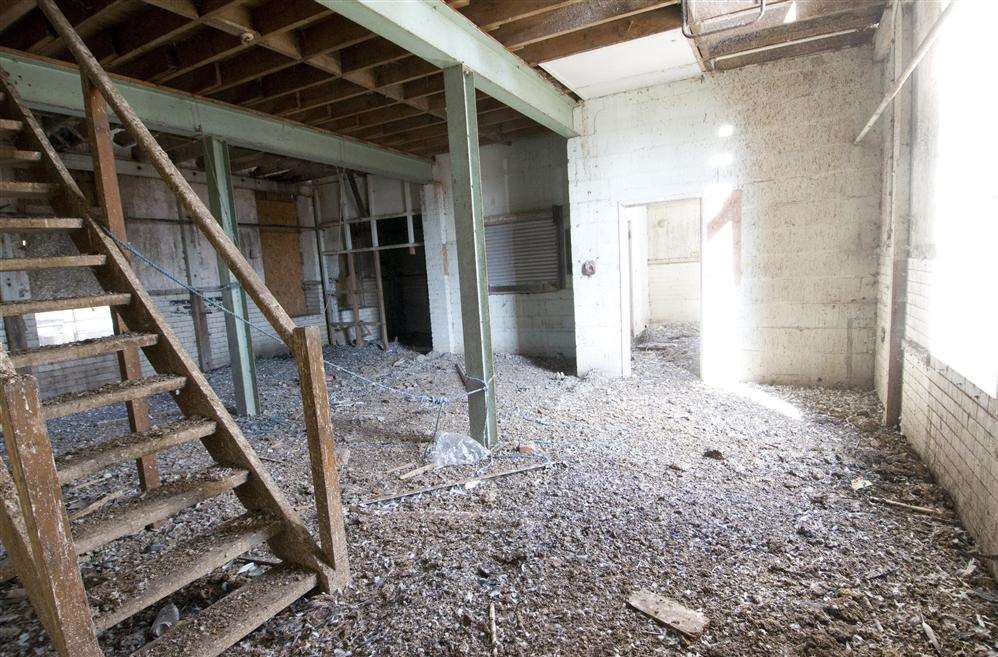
<point>410,227</point>
<point>469,227</point>
<point>56,574</point>
<point>376,254</point>
<point>109,197</point>
<point>352,282</point>
<point>223,206</point>
<point>307,348</point>
<point>321,255</point>
<point>899,252</point>
<point>202,337</point>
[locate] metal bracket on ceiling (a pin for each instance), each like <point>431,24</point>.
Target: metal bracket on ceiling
<point>688,31</point>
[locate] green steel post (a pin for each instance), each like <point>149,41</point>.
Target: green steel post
<point>223,207</point>
<point>469,223</point>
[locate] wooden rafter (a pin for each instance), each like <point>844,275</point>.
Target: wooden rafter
<point>299,60</point>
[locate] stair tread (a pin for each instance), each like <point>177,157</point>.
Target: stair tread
<point>230,619</point>
<point>131,591</point>
<point>88,460</point>
<point>31,306</point>
<point>52,262</point>
<point>26,224</point>
<point>111,393</point>
<point>11,125</point>
<point>58,353</point>
<point>18,157</point>
<point>134,514</point>
<point>24,189</point>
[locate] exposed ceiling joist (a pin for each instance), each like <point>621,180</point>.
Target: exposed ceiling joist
<point>55,86</point>
<point>443,37</point>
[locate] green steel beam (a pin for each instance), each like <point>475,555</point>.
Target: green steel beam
<point>433,31</point>
<point>469,230</point>
<point>55,86</point>
<point>223,208</point>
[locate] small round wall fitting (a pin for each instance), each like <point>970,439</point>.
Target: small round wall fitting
<point>588,267</point>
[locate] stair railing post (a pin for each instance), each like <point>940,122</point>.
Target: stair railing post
<point>56,576</point>
<point>306,345</point>
<point>109,197</point>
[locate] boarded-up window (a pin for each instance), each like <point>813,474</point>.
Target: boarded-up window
<point>525,252</point>
<point>280,247</point>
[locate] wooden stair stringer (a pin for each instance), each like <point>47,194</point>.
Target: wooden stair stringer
<point>227,446</point>
<point>14,537</point>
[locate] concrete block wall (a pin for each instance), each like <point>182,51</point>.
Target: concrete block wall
<point>949,420</point>
<point>526,175</point>
<point>781,134</point>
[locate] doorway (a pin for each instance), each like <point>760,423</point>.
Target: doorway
<point>405,284</point>
<point>665,273</point>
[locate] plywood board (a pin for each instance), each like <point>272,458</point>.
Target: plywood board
<point>281,251</point>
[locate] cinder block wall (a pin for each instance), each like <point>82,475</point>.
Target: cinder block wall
<point>951,423</point>
<point>151,213</point>
<point>809,207</point>
<point>526,175</point>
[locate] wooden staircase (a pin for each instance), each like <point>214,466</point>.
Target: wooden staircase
<point>34,528</point>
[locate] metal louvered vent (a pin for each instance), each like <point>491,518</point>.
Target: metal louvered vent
<point>524,251</point>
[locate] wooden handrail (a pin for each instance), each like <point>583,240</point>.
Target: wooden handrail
<point>226,249</point>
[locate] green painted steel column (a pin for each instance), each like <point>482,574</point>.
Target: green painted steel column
<point>223,207</point>
<point>469,224</point>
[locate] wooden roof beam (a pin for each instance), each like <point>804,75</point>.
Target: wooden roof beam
<point>570,19</point>
<point>15,10</point>
<point>605,34</point>
<point>53,86</point>
<point>491,15</point>
<point>440,35</point>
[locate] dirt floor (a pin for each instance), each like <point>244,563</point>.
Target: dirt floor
<point>755,505</point>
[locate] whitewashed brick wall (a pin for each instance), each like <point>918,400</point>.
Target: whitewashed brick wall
<point>810,203</point>
<point>951,423</point>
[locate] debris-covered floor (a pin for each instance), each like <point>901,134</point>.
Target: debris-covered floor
<point>760,507</point>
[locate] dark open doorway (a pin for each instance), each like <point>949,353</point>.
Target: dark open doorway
<point>403,275</point>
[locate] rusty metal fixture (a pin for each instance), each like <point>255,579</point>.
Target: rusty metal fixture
<point>688,29</point>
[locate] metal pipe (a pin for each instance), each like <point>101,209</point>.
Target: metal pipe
<point>920,53</point>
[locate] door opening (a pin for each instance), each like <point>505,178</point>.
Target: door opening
<point>665,274</point>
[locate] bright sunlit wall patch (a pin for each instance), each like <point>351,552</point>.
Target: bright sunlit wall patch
<point>62,326</point>
<point>963,309</point>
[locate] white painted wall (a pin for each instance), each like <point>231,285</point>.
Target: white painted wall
<point>526,175</point>
<point>782,134</point>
